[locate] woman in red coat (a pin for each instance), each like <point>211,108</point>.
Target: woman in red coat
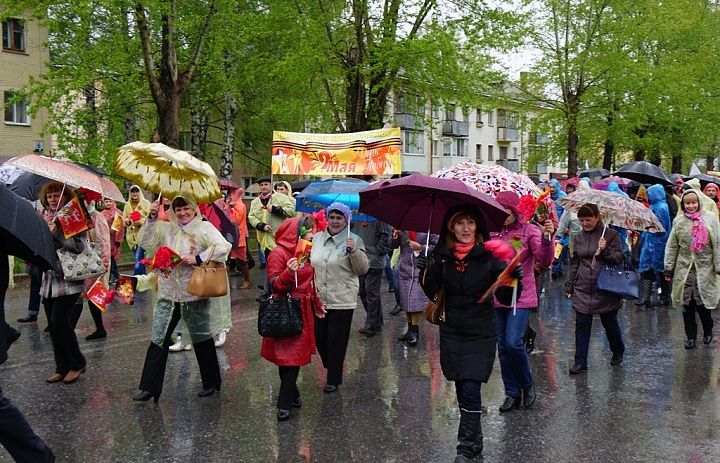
<point>288,273</point>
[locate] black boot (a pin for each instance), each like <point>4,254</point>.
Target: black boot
<point>469,437</point>
<point>645,292</point>
<point>406,336</point>
<point>413,335</point>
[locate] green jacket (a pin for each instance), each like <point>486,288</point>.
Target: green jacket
<point>679,260</point>
<point>259,217</point>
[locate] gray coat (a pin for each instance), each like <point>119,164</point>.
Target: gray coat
<point>376,236</point>
<point>412,296</point>
<point>582,282</point>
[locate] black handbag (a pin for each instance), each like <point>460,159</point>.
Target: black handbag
<point>279,317</point>
<point>620,280</point>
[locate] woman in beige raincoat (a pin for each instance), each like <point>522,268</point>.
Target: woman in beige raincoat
<point>196,241</point>
<point>692,263</point>
<point>136,202</point>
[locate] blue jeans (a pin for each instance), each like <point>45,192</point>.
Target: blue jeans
<point>139,255</point>
<point>583,328</point>
<point>514,363</point>
<point>396,283</point>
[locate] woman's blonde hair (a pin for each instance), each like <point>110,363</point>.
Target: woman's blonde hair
<point>52,187</point>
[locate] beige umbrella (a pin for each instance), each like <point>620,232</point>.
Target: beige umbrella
<point>167,171</point>
<point>252,189</point>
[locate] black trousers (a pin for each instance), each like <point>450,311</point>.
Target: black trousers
<point>61,313</point>
<point>35,285</point>
<point>583,329</point>
<point>94,311</point>
<point>332,334</point>
<point>705,315</point>
<point>17,436</point>
<point>288,387</point>
<point>370,296</point>
<point>153,372</point>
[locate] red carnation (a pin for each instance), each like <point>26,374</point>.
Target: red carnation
<point>135,216</point>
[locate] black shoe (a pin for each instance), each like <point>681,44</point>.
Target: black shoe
<point>283,415</point>
<point>510,404</point>
<point>391,289</point>
<point>462,459</point>
<point>144,396</point>
<point>330,388</point>
<point>297,403</point>
<point>96,335</point>
<point>690,344</point>
<point>367,332</point>
<point>209,391</point>
<point>616,360</point>
<point>529,397</point>
<point>413,336</point>
<point>406,336</point>
<point>12,337</point>
<point>577,369</point>
<point>396,310</point>
<point>47,329</point>
<point>643,303</point>
<point>530,341</point>
<point>707,339</point>
<point>28,319</point>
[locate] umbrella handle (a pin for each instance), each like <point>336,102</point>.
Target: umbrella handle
<point>348,249</point>
<point>62,192</point>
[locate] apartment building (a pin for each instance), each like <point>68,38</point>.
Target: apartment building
<point>437,137</point>
<point>23,55</point>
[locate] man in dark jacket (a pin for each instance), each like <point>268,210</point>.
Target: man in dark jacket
<point>16,435</point>
<point>376,236</point>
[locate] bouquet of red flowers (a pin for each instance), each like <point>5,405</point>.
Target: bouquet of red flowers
<point>164,261</point>
<point>510,253</point>
<point>135,216</point>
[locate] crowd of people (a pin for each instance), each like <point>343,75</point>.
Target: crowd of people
<point>349,259</point>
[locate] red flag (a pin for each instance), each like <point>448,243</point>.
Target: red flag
<point>100,295</point>
<point>125,289</point>
<point>73,218</point>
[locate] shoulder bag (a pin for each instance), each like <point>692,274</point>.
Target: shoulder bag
<point>619,279</point>
<point>435,309</point>
<point>209,279</point>
<point>79,267</point>
<point>279,317</point>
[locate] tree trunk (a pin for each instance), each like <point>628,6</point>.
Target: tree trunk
<point>710,162</point>
<point>355,101</point>
<point>169,121</point>
<point>676,163</point>
<point>639,154</point>
<point>198,129</point>
<point>228,150</point>
<point>572,142</point>
<point>608,153</point>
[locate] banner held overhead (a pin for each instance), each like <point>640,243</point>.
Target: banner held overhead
<point>374,152</point>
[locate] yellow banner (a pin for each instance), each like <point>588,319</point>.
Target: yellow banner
<point>375,152</point>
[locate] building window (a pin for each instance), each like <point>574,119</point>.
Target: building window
<point>491,157</point>
<point>13,31</point>
<point>15,110</point>
<point>478,118</point>
<point>450,112</point>
<point>461,147</point>
<point>515,153</point>
<point>447,147</point>
<point>503,152</point>
<point>436,148</point>
<point>413,142</point>
<point>507,119</point>
<point>478,153</point>
<point>436,112</point>
<point>491,118</point>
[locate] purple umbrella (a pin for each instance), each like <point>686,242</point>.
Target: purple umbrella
<point>623,183</point>
<point>419,202</point>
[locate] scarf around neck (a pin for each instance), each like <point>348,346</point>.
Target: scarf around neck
<point>699,232</point>
<point>461,250</point>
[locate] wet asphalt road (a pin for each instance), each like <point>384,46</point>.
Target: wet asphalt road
<point>661,405</point>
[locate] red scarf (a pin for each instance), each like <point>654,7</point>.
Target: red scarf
<point>460,250</point>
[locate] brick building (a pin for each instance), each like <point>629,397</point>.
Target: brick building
<point>23,55</point>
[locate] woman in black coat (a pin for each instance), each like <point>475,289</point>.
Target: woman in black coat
<point>461,265</point>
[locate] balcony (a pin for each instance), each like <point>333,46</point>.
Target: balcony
<point>509,164</point>
<point>456,128</point>
<point>507,134</point>
<point>407,121</point>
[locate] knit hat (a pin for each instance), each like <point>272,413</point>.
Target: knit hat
<point>509,200</point>
<point>341,208</point>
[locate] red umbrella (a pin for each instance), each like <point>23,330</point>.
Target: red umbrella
<point>227,184</point>
<point>419,202</point>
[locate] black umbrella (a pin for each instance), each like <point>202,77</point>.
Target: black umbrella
<point>300,185</point>
<point>704,179</point>
<point>594,172</point>
<point>23,233</point>
<point>643,172</point>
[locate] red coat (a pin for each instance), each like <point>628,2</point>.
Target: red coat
<point>297,350</point>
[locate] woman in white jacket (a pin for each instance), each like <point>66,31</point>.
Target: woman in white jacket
<point>196,242</point>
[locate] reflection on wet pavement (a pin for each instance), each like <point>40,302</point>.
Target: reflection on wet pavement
<point>661,404</point>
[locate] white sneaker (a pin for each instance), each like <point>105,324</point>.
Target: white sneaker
<point>178,346</point>
<point>220,340</point>
<point>188,347</point>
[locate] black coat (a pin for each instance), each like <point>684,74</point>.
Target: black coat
<point>468,335</point>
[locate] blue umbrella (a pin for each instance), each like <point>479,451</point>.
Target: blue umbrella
<point>319,195</point>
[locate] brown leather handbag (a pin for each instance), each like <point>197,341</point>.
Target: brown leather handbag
<point>435,309</point>
<point>209,279</point>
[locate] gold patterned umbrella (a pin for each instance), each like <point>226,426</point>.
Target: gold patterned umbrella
<point>167,171</point>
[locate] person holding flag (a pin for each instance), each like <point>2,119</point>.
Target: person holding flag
<point>114,219</point>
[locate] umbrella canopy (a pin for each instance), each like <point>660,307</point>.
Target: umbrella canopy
<point>227,184</point>
<point>9,173</point>
<point>643,172</point>
<point>167,171</point>
<point>490,179</point>
<point>320,194</point>
<point>300,185</point>
<point>623,183</point>
<point>67,172</point>
<point>704,179</point>
<point>28,186</point>
<point>615,209</point>
<point>419,202</point>
<point>594,172</point>
<point>23,233</point>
